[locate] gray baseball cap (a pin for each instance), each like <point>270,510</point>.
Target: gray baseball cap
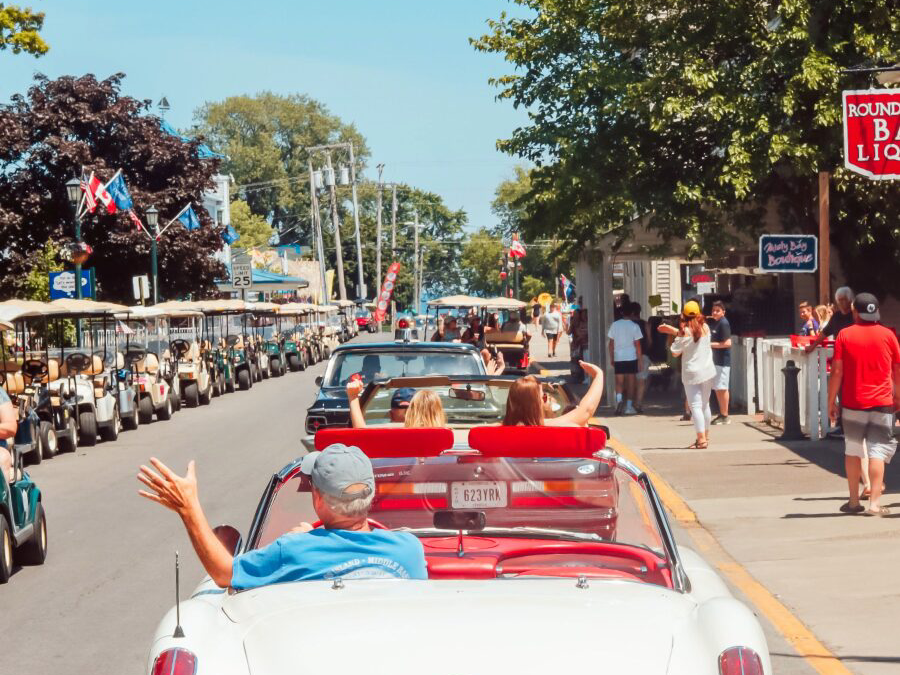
<point>336,468</point>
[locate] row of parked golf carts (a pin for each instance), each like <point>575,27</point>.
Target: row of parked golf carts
<point>79,371</point>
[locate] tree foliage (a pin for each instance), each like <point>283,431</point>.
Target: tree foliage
<point>264,138</point>
<point>254,229</point>
<point>37,281</point>
<point>480,259</point>
<point>20,30</point>
<point>697,114</point>
<point>64,126</point>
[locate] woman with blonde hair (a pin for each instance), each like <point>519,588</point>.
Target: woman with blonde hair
<point>526,402</point>
<point>425,410</point>
<point>409,408</point>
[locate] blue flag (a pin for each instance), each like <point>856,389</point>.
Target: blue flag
<point>203,150</point>
<point>189,219</point>
<point>119,193</point>
<point>230,235</point>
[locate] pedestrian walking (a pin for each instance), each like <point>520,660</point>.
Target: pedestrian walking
<point>866,371</point>
<point>693,344</point>
<point>552,325</point>
<point>809,324</point>
<point>535,313</point>
<point>720,342</point>
<point>625,346</point>
<point>643,373</point>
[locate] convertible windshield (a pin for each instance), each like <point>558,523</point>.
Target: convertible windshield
<point>387,364</point>
<point>585,500</point>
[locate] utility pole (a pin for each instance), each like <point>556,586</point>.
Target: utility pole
<point>416,262</point>
<point>361,290</point>
<point>335,220</point>
<point>824,240</point>
<point>378,198</point>
<point>316,221</point>
<point>393,245</point>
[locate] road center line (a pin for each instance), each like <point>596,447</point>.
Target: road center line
<point>785,622</point>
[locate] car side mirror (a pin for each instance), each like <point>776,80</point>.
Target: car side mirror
<point>473,521</point>
<point>230,538</point>
<point>319,380</point>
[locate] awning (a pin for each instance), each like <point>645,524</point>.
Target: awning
<point>265,281</point>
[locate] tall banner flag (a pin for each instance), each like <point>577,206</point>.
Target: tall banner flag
<point>96,187</point>
<point>568,288</point>
<point>119,192</point>
<point>89,202</point>
<point>516,248</point>
<point>387,290</point>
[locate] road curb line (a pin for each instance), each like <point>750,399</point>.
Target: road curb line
<point>792,629</point>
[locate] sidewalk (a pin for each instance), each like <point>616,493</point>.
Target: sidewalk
<point>773,506</point>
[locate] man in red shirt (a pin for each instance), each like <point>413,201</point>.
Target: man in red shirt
<point>866,371</point>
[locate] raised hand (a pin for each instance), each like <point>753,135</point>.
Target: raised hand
<point>590,369</point>
<point>178,493</point>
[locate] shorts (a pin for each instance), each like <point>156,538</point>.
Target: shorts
<point>625,367</point>
<point>551,336</point>
<point>645,367</point>
<point>723,375</point>
<point>870,430</point>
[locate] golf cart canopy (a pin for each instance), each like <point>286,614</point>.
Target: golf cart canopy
<point>457,301</point>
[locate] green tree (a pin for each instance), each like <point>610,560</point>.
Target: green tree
<point>254,230</point>
<point>480,259</point>
<point>510,199</point>
<point>37,281</point>
<point>697,115</point>
<point>264,138</point>
<point>20,30</point>
<point>531,287</point>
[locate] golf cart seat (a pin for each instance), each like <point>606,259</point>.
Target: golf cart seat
<point>508,337</point>
<point>148,364</point>
<point>193,354</point>
<point>13,382</point>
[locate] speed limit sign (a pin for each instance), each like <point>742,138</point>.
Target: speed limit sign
<point>241,275</point>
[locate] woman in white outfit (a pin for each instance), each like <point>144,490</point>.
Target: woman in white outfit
<point>697,368</point>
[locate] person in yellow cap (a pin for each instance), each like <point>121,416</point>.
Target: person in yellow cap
<point>692,343</point>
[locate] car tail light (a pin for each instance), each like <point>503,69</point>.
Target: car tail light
<point>176,661</point>
<point>740,661</point>
<point>403,323</point>
<point>314,423</point>
<point>411,488</point>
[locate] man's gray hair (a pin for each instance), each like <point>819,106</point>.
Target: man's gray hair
<point>844,292</point>
<point>353,508</point>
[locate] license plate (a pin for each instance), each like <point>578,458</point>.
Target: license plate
<point>485,494</point>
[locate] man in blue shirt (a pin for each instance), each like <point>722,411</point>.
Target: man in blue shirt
<point>343,485</point>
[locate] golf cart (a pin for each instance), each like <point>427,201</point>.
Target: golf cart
<point>23,525</point>
<point>56,415</point>
<point>513,341</point>
<point>294,340</point>
<point>259,324</point>
<point>449,307</point>
<point>94,370</point>
<point>193,360</point>
<point>347,315</point>
<point>237,355</point>
<point>144,342</point>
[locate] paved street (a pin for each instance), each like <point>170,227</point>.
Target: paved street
<point>109,575</point>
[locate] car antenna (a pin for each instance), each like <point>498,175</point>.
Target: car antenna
<point>459,548</point>
<point>179,633</point>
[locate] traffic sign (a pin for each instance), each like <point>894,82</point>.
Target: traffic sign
<point>788,253</point>
<point>140,284</point>
<point>241,276</point>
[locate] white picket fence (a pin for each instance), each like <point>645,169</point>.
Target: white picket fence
<point>757,381</point>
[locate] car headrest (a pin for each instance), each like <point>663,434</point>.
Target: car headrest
<point>523,441</point>
<point>393,442</point>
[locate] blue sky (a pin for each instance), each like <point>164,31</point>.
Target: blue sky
<point>401,70</point>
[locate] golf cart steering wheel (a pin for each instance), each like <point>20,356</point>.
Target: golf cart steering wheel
<point>35,369</point>
<point>77,362</point>
<point>374,524</point>
<point>135,354</point>
<point>180,347</point>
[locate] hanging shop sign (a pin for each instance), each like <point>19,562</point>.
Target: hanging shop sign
<point>872,133</point>
<point>788,253</point>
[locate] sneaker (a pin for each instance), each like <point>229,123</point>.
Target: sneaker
<point>629,410</point>
<point>620,407</point>
<point>686,417</point>
<point>639,409</point>
<point>721,419</point>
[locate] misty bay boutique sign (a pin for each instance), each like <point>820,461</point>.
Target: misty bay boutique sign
<point>872,132</point>
<point>788,253</point>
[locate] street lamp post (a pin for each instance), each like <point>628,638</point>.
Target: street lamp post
<point>73,191</point>
<point>152,223</point>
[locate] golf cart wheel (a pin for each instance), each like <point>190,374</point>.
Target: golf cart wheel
<point>192,395</point>
<point>34,551</point>
<point>176,401</point>
<point>145,410</point>
<point>244,379</point>
<point>275,366</point>
<point>326,353</point>
<point>133,421</point>
<point>6,550</point>
<point>49,441</point>
<point>167,409</point>
<point>88,423</point>
<point>229,386</point>
<point>111,432</point>
<point>206,396</point>
<point>69,442</point>
<point>266,373</point>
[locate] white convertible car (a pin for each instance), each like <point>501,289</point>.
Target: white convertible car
<point>545,552</point>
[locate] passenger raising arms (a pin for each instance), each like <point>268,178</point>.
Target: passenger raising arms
<point>525,404</point>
